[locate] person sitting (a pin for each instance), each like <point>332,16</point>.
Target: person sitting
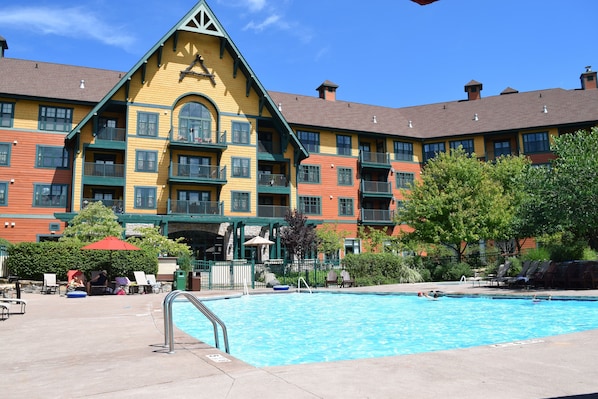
<point>100,280</point>
<point>76,283</point>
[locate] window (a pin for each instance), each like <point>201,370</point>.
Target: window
<point>343,145</point>
<point>403,151</point>
<point>190,166</point>
<point>55,119</point>
<point>3,193</point>
<point>51,195</point>
<point>146,161</point>
<point>536,142</point>
<point>352,246</point>
<point>240,133</point>
<point>430,150</point>
<point>145,197</point>
<point>309,174</point>
<point>310,205</point>
<point>502,148</point>
<point>147,124</point>
<point>345,206</point>
<point>4,154</point>
<point>241,167</point>
<point>52,157</point>
<point>310,140</point>
<point>6,114</point>
<point>404,179</point>
<point>466,144</point>
<point>240,201</point>
<point>345,176</point>
<point>195,123</point>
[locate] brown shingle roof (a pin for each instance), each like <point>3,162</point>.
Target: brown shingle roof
<point>55,81</point>
<point>515,111</point>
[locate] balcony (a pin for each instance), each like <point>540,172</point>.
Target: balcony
<point>273,183</point>
<point>197,174</point>
<point>182,207</point>
<point>374,160</point>
<point>377,216</point>
<point>110,137</point>
<point>376,189</point>
<point>269,151</point>
<point>183,138</point>
<point>272,211</point>
<point>116,205</point>
<point>103,174</point>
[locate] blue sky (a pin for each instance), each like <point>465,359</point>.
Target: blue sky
<point>392,53</point>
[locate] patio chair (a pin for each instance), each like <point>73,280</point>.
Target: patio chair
<point>98,284</point>
<point>346,280</point>
<point>501,274</point>
<point>543,275</point>
<point>331,278</point>
<point>50,285</point>
<point>528,269</point>
<point>6,302</point>
<point>156,286</point>
<point>4,312</point>
<point>141,282</point>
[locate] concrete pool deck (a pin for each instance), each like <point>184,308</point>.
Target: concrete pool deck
<point>111,346</point>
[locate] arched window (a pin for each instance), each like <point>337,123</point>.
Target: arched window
<point>194,123</point>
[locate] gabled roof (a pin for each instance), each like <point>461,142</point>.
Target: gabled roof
<point>201,19</point>
<point>34,79</point>
<point>516,111</point>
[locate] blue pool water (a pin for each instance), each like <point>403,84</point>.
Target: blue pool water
<point>269,330</point>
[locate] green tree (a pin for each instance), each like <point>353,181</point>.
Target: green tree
<point>574,186</point>
<point>330,240</point>
<point>373,239</point>
<point>298,237</point>
<point>93,223</point>
<point>155,243</point>
<point>511,172</point>
<point>455,203</point>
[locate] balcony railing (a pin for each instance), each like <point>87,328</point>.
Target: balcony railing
<point>268,179</point>
<point>116,205</point>
<point>376,188</point>
<point>380,159</point>
<point>195,207</point>
<point>196,137</point>
<point>103,169</point>
<point>202,172</point>
<point>111,134</point>
<point>272,211</point>
<point>377,215</point>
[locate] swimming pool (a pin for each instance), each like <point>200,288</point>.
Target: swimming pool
<point>284,329</point>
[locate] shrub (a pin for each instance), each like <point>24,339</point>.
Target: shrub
<point>380,268</point>
<point>536,254</point>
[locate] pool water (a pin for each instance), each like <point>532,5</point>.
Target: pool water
<point>271,330</point>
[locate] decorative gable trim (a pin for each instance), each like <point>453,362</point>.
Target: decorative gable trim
<point>202,22</point>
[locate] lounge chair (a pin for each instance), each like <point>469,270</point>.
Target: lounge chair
<point>141,282</point>
<point>543,274</point>
<point>4,312</point>
<point>156,286</point>
<point>331,278</point>
<point>98,285</point>
<point>50,285</point>
<point>528,269</point>
<point>501,274</point>
<point>6,302</point>
<point>346,280</point>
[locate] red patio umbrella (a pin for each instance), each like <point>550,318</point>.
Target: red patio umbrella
<point>111,244</point>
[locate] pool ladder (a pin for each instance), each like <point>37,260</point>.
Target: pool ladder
<point>169,326</point>
<point>304,282</point>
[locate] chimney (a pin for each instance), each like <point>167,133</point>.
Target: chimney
<point>327,90</point>
<point>3,46</point>
<point>588,79</point>
<point>473,90</point>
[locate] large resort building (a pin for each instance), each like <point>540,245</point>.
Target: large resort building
<point>189,140</point>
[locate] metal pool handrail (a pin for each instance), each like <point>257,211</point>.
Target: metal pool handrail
<point>304,282</point>
<point>169,325</point>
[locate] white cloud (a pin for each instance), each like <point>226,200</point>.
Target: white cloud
<point>272,20</point>
<point>67,22</point>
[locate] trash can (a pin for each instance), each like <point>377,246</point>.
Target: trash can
<point>180,280</point>
<point>194,282</point>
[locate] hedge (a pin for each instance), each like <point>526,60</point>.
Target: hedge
<point>30,261</point>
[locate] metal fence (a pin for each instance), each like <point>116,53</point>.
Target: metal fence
<point>3,257</point>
